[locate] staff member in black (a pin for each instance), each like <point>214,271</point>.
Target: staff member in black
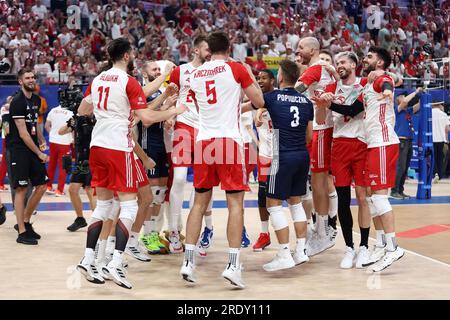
<point>27,160</point>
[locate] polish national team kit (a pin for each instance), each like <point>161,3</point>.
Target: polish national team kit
<point>114,95</point>
<point>316,77</point>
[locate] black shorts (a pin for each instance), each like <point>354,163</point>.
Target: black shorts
<point>81,174</point>
<point>26,166</point>
<point>288,175</point>
<point>161,169</point>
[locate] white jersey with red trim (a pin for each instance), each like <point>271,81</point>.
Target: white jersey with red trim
<point>181,77</point>
<point>379,121</point>
<point>265,135</point>
<point>316,77</point>
<point>246,125</point>
<point>216,86</point>
<point>114,94</point>
<point>346,126</point>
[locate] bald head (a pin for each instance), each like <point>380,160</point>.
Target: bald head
<point>309,49</point>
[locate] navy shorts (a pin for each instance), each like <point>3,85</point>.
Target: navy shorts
<point>161,169</point>
<point>288,175</point>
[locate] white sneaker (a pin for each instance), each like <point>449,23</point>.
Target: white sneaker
<point>117,274</point>
<point>100,265</point>
<point>333,234</point>
<point>349,258</point>
<point>233,274</point>
<point>280,262</point>
<point>309,233</point>
<point>90,272</point>
<point>389,258</point>
<point>376,254</point>
<point>300,257</point>
<point>201,251</point>
<point>187,271</point>
<point>175,245</point>
<point>137,254</point>
<point>318,244</point>
<point>362,258</point>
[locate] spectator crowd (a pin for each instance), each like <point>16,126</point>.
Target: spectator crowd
<point>70,37</point>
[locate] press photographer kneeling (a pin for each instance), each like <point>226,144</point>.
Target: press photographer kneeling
<point>82,127</point>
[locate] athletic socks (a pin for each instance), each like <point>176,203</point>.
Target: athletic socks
<point>233,256</point>
<point>333,205</point>
<point>110,245</point>
<point>345,214</point>
<point>300,248</point>
<point>284,250</point>
<point>208,222</point>
<point>133,240</point>
<point>391,241</point>
<point>147,227</point>
<point>381,238</point>
<point>189,253</point>
<point>265,226</point>
<point>322,223</point>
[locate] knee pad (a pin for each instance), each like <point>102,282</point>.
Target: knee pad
<point>372,209</point>
<point>381,203</point>
<point>262,195</point>
<point>278,218</point>
<point>297,212</point>
<point>114,212</point>
<point>102,210</point>
<point>128,210</point>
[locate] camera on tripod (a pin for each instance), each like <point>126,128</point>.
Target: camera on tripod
<point>70,98</point>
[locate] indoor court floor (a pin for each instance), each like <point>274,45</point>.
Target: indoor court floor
<point>47,271</point>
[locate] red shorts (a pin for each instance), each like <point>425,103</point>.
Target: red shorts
<point>263,168</point>
<point>170,178</point>
<point>321,150</point>
<point>113,169</point>
<point>183,145</point>
<point>381,167</point>
<point>251,158</point>
<point>141,174</point>
<point>220,160</point>
<point>348,161</point>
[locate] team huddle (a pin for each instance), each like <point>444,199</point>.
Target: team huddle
<point>322,130</point>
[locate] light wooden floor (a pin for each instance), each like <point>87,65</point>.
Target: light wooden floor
<point>47,271</point>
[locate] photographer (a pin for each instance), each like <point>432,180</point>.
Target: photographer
<point>81,126</point>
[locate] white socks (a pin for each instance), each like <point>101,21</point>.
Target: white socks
<point>208,222</point>
<point>265,226</point>
<point>381,238</point>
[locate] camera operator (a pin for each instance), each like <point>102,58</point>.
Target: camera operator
<point>59,147</point>
<point>81,126</point>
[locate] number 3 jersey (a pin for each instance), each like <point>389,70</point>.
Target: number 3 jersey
<point>346,126</point>
<point>216,86</point>
<point>290,113</point>
<point>114,94</point>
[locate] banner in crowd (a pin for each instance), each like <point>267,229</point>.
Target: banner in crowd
<point>271,62</point>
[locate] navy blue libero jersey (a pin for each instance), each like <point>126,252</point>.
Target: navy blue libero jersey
<point>153,136</point>
<point>290,112</point>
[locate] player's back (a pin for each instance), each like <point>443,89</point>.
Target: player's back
<point>217,88</point>
<point>290,113</point>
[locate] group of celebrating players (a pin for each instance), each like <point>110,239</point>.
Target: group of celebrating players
<point>323,129</point>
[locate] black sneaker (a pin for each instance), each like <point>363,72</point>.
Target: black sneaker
<point>405,195</point>
<point>29,228</point>
<point>26,238</point>
<point>396,195</point>
<point>79,222</point>
<point>2,215</point>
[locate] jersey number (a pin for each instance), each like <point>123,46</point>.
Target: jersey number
<point>211,91</point>
<point>296,121</point>
<point>105,102</point>
<point>189,97</point>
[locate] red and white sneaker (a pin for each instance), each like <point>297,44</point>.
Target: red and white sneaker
<point>59,193</point>
<point>50,190</point>
<point>262,242</point>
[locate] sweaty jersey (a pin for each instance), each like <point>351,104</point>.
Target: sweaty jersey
<point>379,121</point>
<point>180,76</point>
<point>114,95</point>
<point>290,112</point>
<point>265,135</point>
<point>216,86</point>
<point>346,126</point>
<point>316,77</point>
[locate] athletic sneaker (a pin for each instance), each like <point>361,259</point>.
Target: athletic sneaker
<point>389,258</point>
<point>50,190</point>
<point>187,271</point>
<point>262,242</point>
<point>300,257</point>
<point>175,245</point>
<point>165,243</point>
<point>362,258</point>
<point>333,234</point>
<point>397,196</point>
<point>80,222</point>
<point>200,251</point>
<point>405,195</point>
<point>117,274</point>
<point>245,240</point>
<point>349,258</point>
<point>100,265</point>
<point>318,244</point>
<point>90,272</point>
<point>137,254</point>
<point>29,229</point>
<point>206,238</point>
<point>153,244</point>
<point>280,262</point>
<point>2,215</point>
<point>167,233</point>
<point>376,254</point>
<point>26,238</point>
<point>59,193</point>
<point>233,274</point>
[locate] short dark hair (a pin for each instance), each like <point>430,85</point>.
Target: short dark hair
<point>198,40</point>
<point>23,71</point>
<point>117,49</point>
<point>327,53</point>
<point>290,71</point>
<point>383,54</point>
<point>269,73</point>
<point>218,42</point>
